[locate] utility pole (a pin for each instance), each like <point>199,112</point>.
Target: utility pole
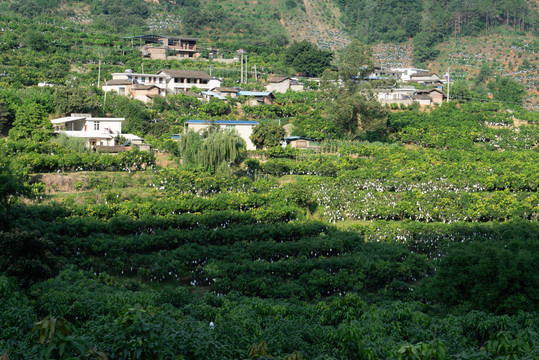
<point>210,70</point>
<point>99,74</point>
<point>246,62</point>
<point>105,102</point>
<point>241,52</point>
<point>256,77</point>
<point>448,81</point>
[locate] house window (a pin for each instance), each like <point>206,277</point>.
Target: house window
<point>143,79</point>
<point>121,91</point>
<point>160,80</point>
<point>96,125</point>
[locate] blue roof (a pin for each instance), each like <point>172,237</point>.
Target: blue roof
<point>211,93</point>
<point>223,122</point>
<point>254,93</point>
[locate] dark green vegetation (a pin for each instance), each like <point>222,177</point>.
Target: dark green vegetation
<point>370,250</point>
<point>414,238</point>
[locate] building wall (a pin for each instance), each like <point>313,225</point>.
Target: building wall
<point>424,102</point>
<point>122,90</point>
<point>300,144</point>
<point>157,53</point>
<point>115,126</point>
<point>142,95</point>
<point>280,87</point>
<point>297,87</point>
<point>244,131</point>
<point>437,98</point>
<point>396,101</point>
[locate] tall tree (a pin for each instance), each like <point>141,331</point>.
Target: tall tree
<point>215,153</point>
<point>266,135</point>
<point>306,58</point>
<point>355,60</point>
<point>507,90</point>
<point>31,123</point>
<point>69,100</point>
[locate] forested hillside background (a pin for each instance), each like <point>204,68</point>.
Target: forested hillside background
<point>461,34</point>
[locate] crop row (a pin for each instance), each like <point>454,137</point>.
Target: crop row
<point>446,206</point>
<point>125,161</point>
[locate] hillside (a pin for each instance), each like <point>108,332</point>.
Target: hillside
<point>265,27</point>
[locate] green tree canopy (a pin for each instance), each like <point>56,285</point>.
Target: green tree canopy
<point>354,113</point>
<point>215,153</point>
<point>4,117</point>
<point>31,122</point>
<point>507,90</point>
<point>69,100</point>
<point>266,135</point>
<point>306,58</point>
<point>355,60</point>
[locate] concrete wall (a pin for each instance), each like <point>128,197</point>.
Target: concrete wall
<point>280,87</point>
<point>396,101</point>
<point>244,131</point>
<point>157,53</point>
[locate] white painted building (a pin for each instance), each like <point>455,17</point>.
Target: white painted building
<point>282,84</point>
<point>244,128</point>
<point>144,86</point>
<point>406,73</point>
<point>98,131</point>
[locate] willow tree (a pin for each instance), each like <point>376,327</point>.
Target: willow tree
<point>216,153</point>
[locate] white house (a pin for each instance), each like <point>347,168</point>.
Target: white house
<point>406,73</point>
<point>244,128</point>
<point>183,80</point>
<point>98,131</point>
<point>282,84</point>
<point>399,96</point>
<point>145,86</point>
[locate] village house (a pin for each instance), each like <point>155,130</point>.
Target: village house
<point>300,142</point>
<point>98,131</point>
<point>406,73</point>
<point>425,78</point>
<point>183,80</point>
<point>258,97</point>
<point>145,87</point>
<point>384,74</point>
<point>244,128</point>
<point>162,47</point>
<point>429,96</point>
<point>283,83</point>
<point>227,91</point>
<point>398,96</point>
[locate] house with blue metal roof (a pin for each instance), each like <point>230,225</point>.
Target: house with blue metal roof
<point>257,97</point>
<point>244,128</point>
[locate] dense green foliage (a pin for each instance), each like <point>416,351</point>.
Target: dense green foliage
<point>422,245</point>
<point>307,59</point>
<point>267,135</point>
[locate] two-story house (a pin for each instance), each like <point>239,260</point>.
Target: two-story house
<point>98,131</point>
<point>183,80</point>
<point>167,81</point>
